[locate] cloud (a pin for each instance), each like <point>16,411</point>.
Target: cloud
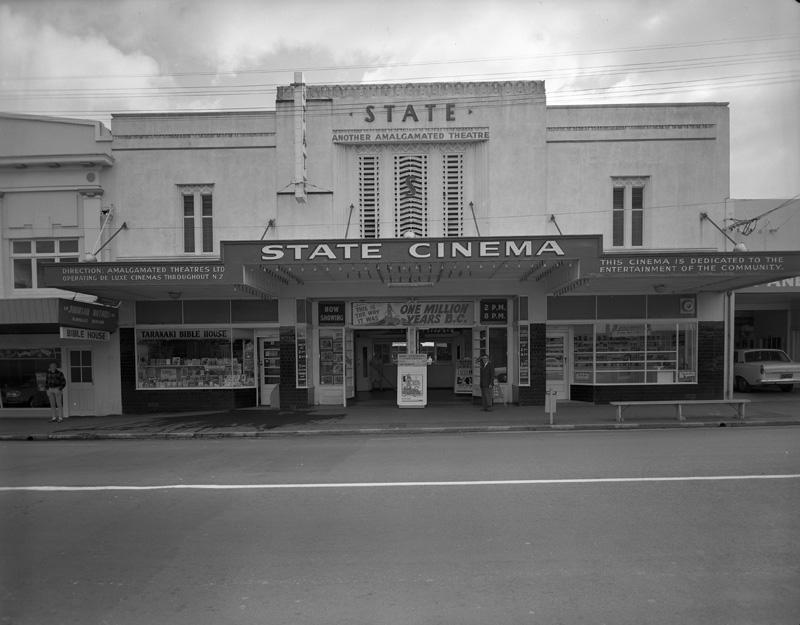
<point>48,71</point>
<point>232,54</point>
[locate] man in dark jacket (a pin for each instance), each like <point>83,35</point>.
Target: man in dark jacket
<point>487,381</point>
<point>54,385</point>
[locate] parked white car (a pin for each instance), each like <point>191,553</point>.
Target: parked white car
<point>764,367</point>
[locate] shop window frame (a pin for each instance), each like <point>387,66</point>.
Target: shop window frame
<point>82,371</point>
<point>240,343</point>
<point>653,363</point>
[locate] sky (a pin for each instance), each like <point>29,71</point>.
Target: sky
<point>92,58</point>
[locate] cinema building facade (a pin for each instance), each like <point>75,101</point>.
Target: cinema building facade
<point>269,257</point>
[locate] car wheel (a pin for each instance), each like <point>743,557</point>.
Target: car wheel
<point>787,388</point>
<point>32,402</point>
<point>742,386</point>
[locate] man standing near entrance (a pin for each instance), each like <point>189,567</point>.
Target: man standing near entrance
<point>54,384</point>
<point>487,381</point>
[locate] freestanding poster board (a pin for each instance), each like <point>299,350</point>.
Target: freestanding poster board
<point>412,380</point>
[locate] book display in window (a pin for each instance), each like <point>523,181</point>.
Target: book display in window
<point>221,363</point>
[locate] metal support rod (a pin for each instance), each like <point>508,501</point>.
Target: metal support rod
<point>713,223</point>
<point>108,217</point>
<point>474,219</point>
<point>730,322</point>
<point>555,223</point>
<point>270,224</point>
<point>124,226</point>
<point>349,217</point>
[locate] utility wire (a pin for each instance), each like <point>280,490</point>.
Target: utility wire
<point>554,74</point>
<point>771,38</point>
<point>747,226</point>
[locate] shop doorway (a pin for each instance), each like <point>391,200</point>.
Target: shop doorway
<point>449,352</point>
<point>79,396</point>
<point>556,363</point>
<point>449,374</point>
<point>376,363</point>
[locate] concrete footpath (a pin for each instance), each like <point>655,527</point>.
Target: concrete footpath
<point>383,417</point>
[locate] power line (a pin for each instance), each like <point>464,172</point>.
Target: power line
<point>561,95</point>
<point>233,89</point>
<point>771,38</point>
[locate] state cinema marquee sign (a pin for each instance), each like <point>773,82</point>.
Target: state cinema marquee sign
<point>409,250</point>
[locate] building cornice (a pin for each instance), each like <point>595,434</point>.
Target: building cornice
<point>57,160</point>
<point>420,89</point>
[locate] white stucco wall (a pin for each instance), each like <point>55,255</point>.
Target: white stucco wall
<point>682,150</point>
<point>155,154</point>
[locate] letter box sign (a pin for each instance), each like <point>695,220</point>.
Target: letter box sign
<point>494,311</point>
<point>331,314</point>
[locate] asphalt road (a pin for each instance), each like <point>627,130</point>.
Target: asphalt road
<point>548,528</point>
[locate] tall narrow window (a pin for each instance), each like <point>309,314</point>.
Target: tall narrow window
<point>411,195</point>
<point>453,195</point>
<point>619,216</point>
<point>188,223</point>
<point>637,215</point>
<point>369,196</point>
<point>627,211</point>
<point>208,223</point>
<point>198,218</point>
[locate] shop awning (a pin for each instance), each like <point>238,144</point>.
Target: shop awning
<point>162,280</point>
<point>559,266</point>
<point>683,272</point>
<point>48,314</point>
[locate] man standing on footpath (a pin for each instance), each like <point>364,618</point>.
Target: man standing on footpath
<point>54,384</point>
<point>487,382</point>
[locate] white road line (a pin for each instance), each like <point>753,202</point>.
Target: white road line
<point>598,480</point>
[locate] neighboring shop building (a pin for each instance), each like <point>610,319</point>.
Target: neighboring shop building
<point>270,256</point>
<point>768,315</point>
<point>52,210</point>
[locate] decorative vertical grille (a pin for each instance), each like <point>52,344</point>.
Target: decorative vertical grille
<point>411,195</point>
<point>369,196</point>
<point>453,195</point>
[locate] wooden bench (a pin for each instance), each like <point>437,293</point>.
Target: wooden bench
<point>739,404</point>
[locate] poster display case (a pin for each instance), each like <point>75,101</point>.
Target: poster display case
<point>331,357</point>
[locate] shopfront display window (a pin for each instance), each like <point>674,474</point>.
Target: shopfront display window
<point>189,357</point>
<point>663,352</point>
